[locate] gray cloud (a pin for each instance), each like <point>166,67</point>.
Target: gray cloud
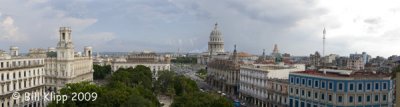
<point>29,23</point>
<point>166,25</point>
<point>373,20</point>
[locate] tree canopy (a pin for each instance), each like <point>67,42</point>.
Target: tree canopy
<point>100,72</point>
<point>185,60</point>
<point>135,87</point>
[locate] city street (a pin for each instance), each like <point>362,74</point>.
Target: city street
<point>190,71</point>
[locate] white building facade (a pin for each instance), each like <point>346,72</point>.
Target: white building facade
<point>155,62</point>
<point>255,78</point>
<point>215,47</point>
<point>20,74</point>
<point>66,66</point>
<point>42,71</point>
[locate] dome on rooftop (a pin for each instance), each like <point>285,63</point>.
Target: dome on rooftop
<point>215,32</point>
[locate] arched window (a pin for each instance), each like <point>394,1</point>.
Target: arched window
<point>63,36</point>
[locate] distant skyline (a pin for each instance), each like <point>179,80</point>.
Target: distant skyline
<point>352,26</point>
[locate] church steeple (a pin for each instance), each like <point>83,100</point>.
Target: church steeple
<point>263,54</point>
<point>275,49</point>
<point>234,51</point>
<point>235,56</point>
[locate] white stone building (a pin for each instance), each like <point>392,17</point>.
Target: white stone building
<point>20,74</point>
<point>155,62</point>
<point>216,43</point>
<point>66,66</point>
<point>42,71</point>
<point>215,47</point>
<point>254,82</point>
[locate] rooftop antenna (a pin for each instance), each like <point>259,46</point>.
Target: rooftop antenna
<point>323,50</point>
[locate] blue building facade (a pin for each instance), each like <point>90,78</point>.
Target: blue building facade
<point>340,89</point>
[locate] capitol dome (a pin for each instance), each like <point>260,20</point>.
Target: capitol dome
<point>215,32</point>
<point>216,42</point>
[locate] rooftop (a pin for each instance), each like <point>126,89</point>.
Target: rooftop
<point>244,54</point>
<point>267,67</point>
<point>343,73</point>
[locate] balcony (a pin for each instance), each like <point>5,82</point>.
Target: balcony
<point>22,67</point>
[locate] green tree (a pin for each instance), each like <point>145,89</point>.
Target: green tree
<point>165,83</point>
<point>135,87</point>
<point>395,71</point>
<point>126,87</point>
<point>202,72</point>
<point>100,72</point>
<point>185,60</point>
<point>73,90</point>
<point>183,85</point>
<point>138,101</point>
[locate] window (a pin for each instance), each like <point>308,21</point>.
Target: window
<point>376,98</point>
<point>384,97</point>
<point>376,86</point>
<point>309,93</point>
<point>291,90</point>
<point>351,99</point>
<point>63,36</point>
<point>309,82</point>
<point>330,85</point>
<point>360,86</point>
<point>322,96</point>
<point>368,98</point>
<point>291,80</point>
<point>297,80</point>
<point>303,81</point>
<point>323,84</point>
<point>351,87</point>
<point>316,95</point>
<point>302,92</point>
<point>316,83</point>
<point>297,91</point>
<point>340,86</point>
<point>384,86</point>
<point>340,99</point>
<point>329,97</point>
<point>359,99</point>
<point>368,86</point>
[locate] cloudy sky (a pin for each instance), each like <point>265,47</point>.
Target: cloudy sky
<point>296,26</point>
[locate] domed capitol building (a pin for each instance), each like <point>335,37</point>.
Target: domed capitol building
<point>215,47</point>
<point>216,42</point>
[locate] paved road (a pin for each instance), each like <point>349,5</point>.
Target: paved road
<point>190,71</point>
